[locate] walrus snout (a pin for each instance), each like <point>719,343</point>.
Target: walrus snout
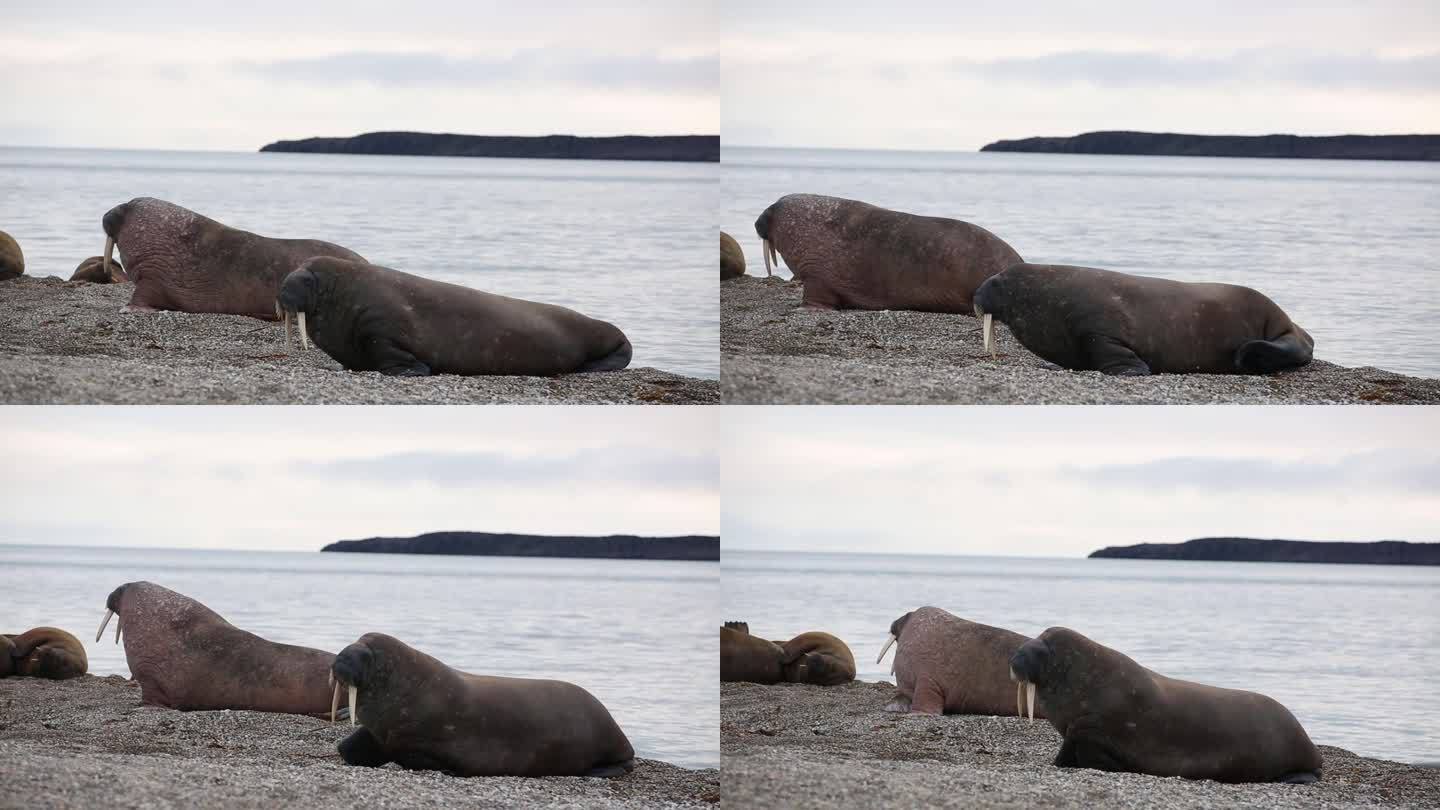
<point>767,242</point>
<point>1027,669</point>
<point>112,608</point>
<point>111,223</point>
<point>297,294</point>
<point>350,668</point>
<point>986,302</point>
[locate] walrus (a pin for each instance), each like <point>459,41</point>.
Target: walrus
<point>44,652</point>
<point>947,665</point>
<point>1087,319</point>
<point>732,258</point>
<point>818,658</point>
<point>181,260</point>
<point>748,658</point>
<point>93,270</point>
<point>7,663</point>
<point>372,318</point>
<point>416,711</point>
<point>1116,715</point>
<point>185,656</point>
<point>853,255</point>
<point>12,259</point>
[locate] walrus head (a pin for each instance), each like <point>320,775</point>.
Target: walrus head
<point>767,240</point>
<point>366,665</point>
<point>299,293</point>
<point>1058,658</point>
<point>989,301</point>
<point>112,223</point>
<point>112,608</point>
<point>896,628</point>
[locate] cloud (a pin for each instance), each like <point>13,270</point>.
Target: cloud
<point>643,73</point>
<point>621,465</point>
<point>1265,66</point>
<point>1375,471</point>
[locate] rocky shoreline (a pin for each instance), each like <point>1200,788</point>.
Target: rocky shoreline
<point>88,742</point>
<point>64,342</point>
<point>795,745</point>
<point>775,352</point>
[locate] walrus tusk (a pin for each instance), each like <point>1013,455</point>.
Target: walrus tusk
<point>774,257</point>
<point>885,649</point>
<point>334,698</point>
<point>1019,704</point>
<point>103,622</point>
<point>1030,699</point>
<point>765,252</point>
<point>989,331</point>
<point>109,250</point>
<point>287,331</point>
<point>119,622</point>
<point>304,338</point>
<point>353,690</point>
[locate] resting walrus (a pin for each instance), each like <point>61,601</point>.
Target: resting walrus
<point>185,656</point>
<point>43,652</point>
<point>853,255</point>
<point>814,657</point>
<point>947,665</point>
<point>94,270</point>
<point>1088,319</point>
<point>181,260</point>
<point>420,713</point>
<point>1116,715</point>
<point>372,318</point>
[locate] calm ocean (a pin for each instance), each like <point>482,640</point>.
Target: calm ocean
<point>1349,249</point>
<point>627,242</point>
<point>1350,649</point>
<point>590,622</point>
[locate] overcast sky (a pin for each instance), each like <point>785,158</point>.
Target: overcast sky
<point>298,478</point>
<point>239,75</point>
<point>1031,481</point>
<point>944,75</point>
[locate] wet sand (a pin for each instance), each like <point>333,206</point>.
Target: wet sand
<point>88,742</point>
<point>774,351</point>
<point>795,745</point>
<point>67,342</point>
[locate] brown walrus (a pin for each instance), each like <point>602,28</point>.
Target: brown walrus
<point>181,260</point>
<point>1088,319</point>
<point>416,711</point>
<point>185,656</point>
<point>372,318</point>
<point>44,652</point>
<point>853,255</point>
<point>947,665</point>
<point>744,657</point>
<point>12,259</point>
<point>732,258</point>
<point>93,270</point>
<point>1116,715</point>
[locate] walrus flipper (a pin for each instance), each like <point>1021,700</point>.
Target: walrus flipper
<point>1109,356</point>
<point>612,771</point>
<point>1270,356</point>
<point>394,361</point>
<point>361,748</point>
<point>614,361</point>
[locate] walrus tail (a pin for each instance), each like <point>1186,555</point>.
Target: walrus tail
<point>612,771</point>
<point>1270,356</point>
<point>614,361</point>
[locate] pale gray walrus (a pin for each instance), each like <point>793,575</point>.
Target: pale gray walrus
<point>853,255</point>
<point>1088,319</point>
<point>416,711</point>
<point>947,665</point>
<point>1116,715</point>
<point>372,318</point>
<point>181,260</point>
<point>186,656</point>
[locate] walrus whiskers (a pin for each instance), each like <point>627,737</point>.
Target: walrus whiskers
<point>109,250</point>
<point>885,649</point>
<point>103,622</point>
<point>353,692</point>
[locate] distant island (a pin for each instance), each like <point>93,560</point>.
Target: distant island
<point>688,148</point>
<point>1333,147</point>
<point>483,544</point>
<point>1246,549</point>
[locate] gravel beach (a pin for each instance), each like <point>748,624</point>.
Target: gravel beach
<point>773,351</point>
<point>67,342</point>
<point>88,742</point>
<point>795,745</point>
